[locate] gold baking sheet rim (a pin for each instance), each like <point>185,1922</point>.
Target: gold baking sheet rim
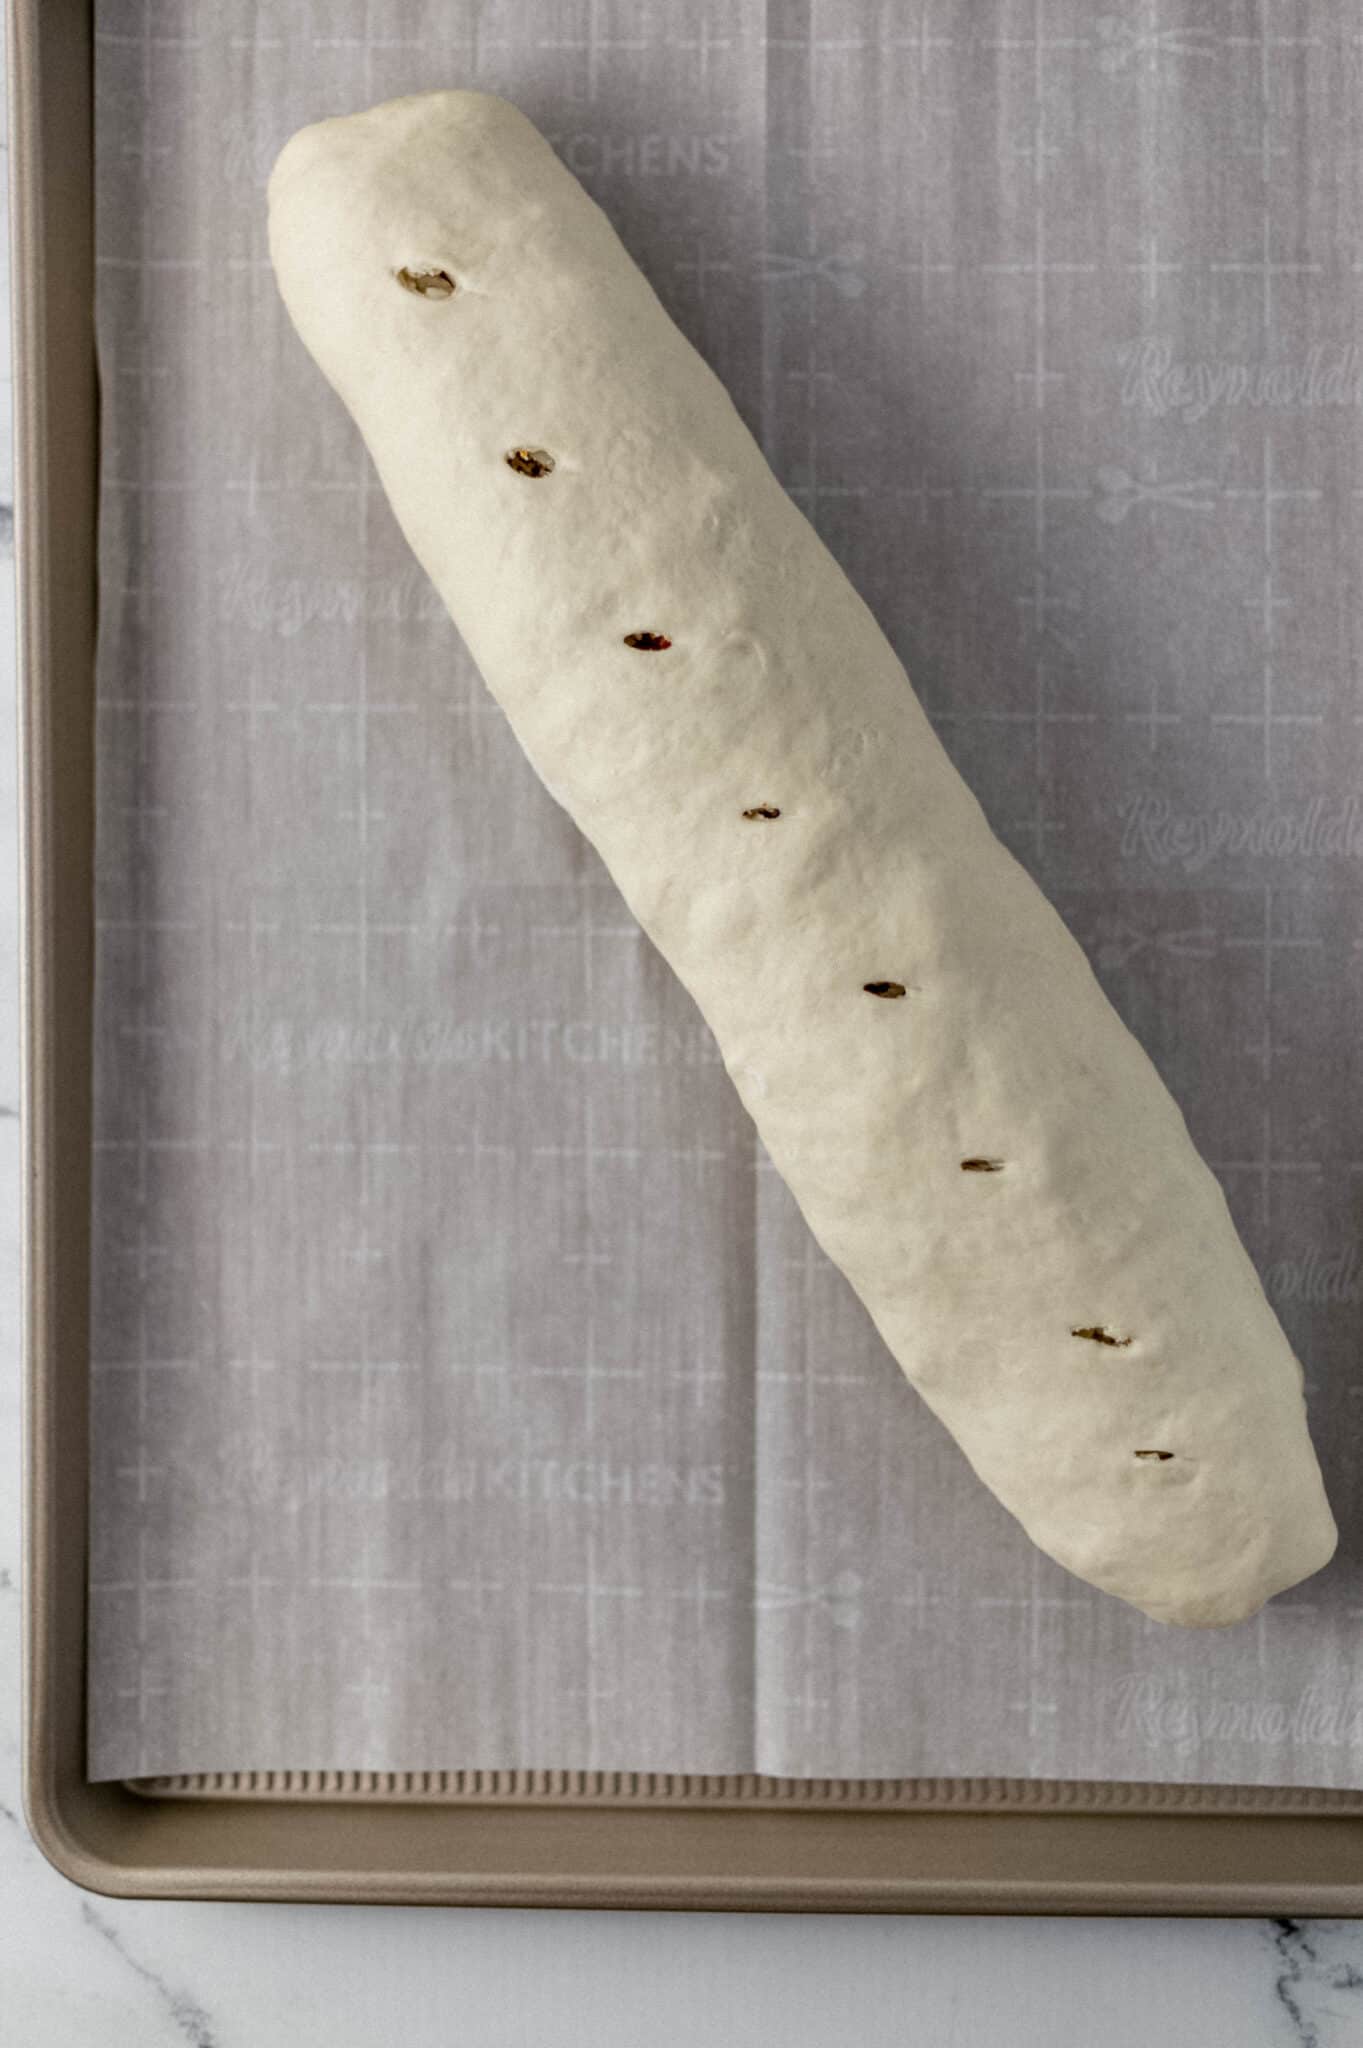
<point>748,1789</point>
<point>527,1837</point>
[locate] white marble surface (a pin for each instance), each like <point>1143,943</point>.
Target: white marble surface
<point>77,1970</point>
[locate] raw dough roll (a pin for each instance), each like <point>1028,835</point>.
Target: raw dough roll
<point>970,1131</point>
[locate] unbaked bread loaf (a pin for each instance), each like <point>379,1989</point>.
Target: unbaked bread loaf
<point>970,1131</point>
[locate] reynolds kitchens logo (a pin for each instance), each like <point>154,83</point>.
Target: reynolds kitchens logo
<point>250,596</point>
<point>644,156</point>
<point>263,1474</point>
<point>274,1044</point>
<point>1166,1717</point>
<point>1319,829</point>
<point>1320,1278</point>
<point>1155,380</point>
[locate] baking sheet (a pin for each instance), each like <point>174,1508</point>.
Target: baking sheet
<point>466,1389</point>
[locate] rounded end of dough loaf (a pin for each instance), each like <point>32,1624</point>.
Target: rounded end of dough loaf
<point>1211,1572</point>
<point>391,123</point>
<point>1294,1555</point>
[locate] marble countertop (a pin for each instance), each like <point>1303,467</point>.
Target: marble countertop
<point>77,1969</point>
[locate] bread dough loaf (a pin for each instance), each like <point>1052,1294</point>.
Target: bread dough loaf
<point>970,1131</point>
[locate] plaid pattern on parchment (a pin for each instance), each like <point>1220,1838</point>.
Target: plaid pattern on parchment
<point>467,1390</point>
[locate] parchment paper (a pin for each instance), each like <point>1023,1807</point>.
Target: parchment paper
<point>467,1390</point>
